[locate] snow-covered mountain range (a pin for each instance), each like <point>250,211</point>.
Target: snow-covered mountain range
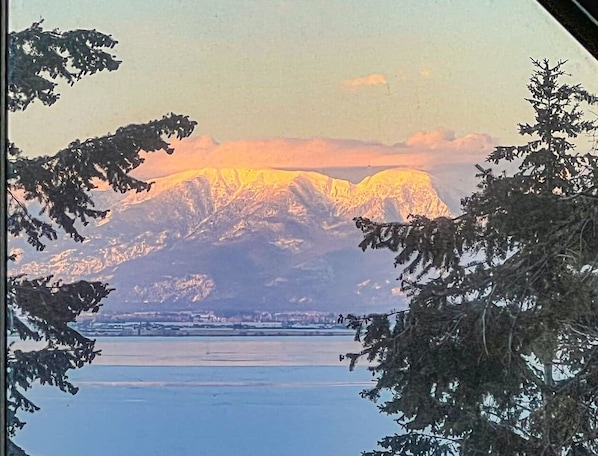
<point>254,239</point>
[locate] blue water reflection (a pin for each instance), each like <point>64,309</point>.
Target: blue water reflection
<point>204,409</point>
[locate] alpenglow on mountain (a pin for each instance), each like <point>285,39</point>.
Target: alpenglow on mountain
<point>243,239</point>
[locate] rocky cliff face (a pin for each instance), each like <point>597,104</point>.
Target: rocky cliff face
<point>243,239</point>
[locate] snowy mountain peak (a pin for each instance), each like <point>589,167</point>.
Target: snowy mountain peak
<point>236,238</point>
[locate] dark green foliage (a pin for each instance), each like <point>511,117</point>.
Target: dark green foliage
<point>40,309</point>
<point>61,183</point>
<point>38,57</point>
<point>414,444</point>
<point>498,350</point>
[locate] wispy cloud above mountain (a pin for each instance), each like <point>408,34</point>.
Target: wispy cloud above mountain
<point>370,80</point>
<point>424,150</point>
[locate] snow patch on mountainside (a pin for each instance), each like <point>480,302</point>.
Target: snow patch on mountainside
<point>243,237</point>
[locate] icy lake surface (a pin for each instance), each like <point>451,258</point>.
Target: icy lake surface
<point>205,396</point>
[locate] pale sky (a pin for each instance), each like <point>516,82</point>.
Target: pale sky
<point>377,71</point>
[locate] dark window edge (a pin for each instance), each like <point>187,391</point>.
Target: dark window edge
<point>3,226</point>
<point>579,18</point>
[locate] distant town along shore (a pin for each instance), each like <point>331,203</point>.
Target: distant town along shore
<point>187,323</point>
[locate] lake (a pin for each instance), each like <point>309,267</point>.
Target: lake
<point>212,395</point>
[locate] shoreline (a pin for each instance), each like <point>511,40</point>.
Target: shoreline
<point>204,332</point>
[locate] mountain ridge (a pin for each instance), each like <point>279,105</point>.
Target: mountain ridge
<point>238,238</point>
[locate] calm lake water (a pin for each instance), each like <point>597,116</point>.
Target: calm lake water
<point>205,396</point>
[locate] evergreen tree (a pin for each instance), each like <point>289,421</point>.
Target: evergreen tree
<point>41,309</point>
<point>497,352</point>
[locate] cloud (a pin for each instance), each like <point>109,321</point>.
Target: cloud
<point>373,79</point>
<point>431,139</point>
<point>424,150</point>
<point>469,148</point>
